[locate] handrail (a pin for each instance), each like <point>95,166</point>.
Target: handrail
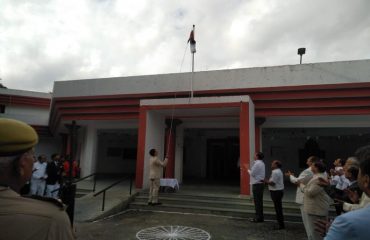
<point>93,174</point>
<point>112,185</point>
<point>80,179</point>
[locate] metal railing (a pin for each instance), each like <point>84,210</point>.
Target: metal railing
<point>83,178</point>
<point>80,179</point>
<point>130,177</point>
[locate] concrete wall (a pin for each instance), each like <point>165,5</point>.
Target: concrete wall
<point>179,153</point>
<point>24,93</point>
<point>111,151</point>
<point>48,146</point>
<point>290,75</point>
<point>30,114</point>
<point>154,138</point>
<point>89,150</point>
<point>33,116</point>
<point>89,141</point>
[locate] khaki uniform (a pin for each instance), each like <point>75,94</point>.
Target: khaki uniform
<point>24,218</point>
<point>155,173</point>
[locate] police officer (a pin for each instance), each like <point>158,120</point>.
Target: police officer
<point>20,217</point>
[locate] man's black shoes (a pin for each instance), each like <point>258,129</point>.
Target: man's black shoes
<point>278,228</point>
<point>255,220</point>
<point>154,204</point>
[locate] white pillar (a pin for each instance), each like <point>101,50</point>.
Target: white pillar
<point>89,151</point>
<point>179,152</point>
<point>155,134</point>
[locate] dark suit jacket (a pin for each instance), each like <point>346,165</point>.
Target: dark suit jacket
<point>54,171</point>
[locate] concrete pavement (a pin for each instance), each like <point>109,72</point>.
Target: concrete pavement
<point>127,225</point>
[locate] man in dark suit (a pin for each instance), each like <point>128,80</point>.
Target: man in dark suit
<point>54,173</point>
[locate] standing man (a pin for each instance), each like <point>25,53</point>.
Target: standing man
<point>20,217</point>
<point>315,202</point>
<point>301,181</point>
<point>257,173</point>
<point>39,176</point>
<point>276,187</point>
<point>54,174</point>
<point>155,173</point>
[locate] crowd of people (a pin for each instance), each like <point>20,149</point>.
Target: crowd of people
<point>345,186</point>
<point>48,175</point>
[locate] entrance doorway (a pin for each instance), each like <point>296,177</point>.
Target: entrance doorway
<point>222,160</point>
<point>211,156</point>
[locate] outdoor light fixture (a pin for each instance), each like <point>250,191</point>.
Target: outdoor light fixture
<point>301,51</point>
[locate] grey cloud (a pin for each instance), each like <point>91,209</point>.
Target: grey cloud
<point>52,41</point>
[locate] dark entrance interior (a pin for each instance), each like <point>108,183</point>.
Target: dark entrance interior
<point>293,146</point>
<point>222,160</point>
<point>211,156</point>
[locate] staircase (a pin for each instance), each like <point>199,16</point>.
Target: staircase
<point>204,203</point>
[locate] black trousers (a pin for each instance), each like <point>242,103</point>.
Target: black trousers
<point>257,190</point>
<point>277,197</point>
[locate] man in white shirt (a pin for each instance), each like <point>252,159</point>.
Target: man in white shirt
<point>257,174</point>
<point>276,187</point>
<point>38,176</point>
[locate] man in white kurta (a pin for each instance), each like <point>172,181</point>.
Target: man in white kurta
<point>38,176</point>
<point>301,181</point>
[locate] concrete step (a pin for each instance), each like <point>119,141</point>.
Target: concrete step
<point>218,203</point>
<point>209,204</point>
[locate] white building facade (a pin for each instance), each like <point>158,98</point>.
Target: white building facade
<point>288,112</point>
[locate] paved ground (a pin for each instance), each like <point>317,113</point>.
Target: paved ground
<point>126,225</point>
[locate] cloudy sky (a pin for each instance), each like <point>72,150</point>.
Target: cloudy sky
<point>42,41</point>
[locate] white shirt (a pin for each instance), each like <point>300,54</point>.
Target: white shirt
<point>39,170</point>
<point>304,177</point>
<point>364,202</point>
<point>257,172</point>
<point>340,182</point>
<point>277,178</point>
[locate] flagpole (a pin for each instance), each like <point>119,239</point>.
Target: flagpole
<point>192,74</point>
<point>192,50</point>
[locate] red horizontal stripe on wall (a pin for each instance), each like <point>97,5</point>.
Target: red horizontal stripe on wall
<point>99,110</point>
<point>100,117</point>
<point>312,112</point>
<point>310,103</point>
<point>24,101</point>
